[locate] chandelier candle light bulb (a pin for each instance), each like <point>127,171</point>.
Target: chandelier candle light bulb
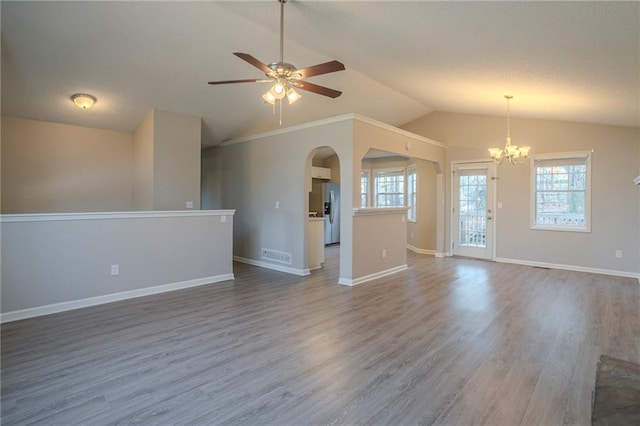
<point>515,153</point>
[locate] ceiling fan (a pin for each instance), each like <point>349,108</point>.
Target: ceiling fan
<point>285,76</point>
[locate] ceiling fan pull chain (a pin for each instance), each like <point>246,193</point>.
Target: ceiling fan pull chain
<point>280,103</point>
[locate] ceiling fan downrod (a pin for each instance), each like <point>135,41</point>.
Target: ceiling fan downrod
<point>282,2</point>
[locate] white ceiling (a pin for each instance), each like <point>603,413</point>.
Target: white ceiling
<point>576,61</point>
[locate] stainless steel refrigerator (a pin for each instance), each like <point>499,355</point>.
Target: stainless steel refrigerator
<point>324,198</point>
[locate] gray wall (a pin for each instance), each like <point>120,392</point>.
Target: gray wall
<point>176,160</point>
<point>52,167</point>
<point>422,234</point>
<point>367,137</point>
<point>211,179</point>
<point>255,174</point>
<point>332,162</point>
<point>143,165</point>
<point>615,210</point>
<point>375,233</point>
<point>55,168</point>
<point>54,260</point>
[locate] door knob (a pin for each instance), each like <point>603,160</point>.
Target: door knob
<point>488,217</point>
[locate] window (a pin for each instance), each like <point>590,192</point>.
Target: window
<point>561,192</point>
<point>364,188</point>
<point>472,207</point>
<point>389,187</point>
<point>412,193</point>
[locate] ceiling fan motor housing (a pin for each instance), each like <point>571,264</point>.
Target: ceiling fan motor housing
<point>283,70</point>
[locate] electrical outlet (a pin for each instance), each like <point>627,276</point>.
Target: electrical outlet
<point>618,254</point>
<point>223,218</point>
<point>277,204</point>
<point>384,252</point>
<point>115,270</point>
<point>189,204</point>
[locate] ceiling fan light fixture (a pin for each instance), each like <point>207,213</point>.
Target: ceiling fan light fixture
<point>269,97</point>
<point>279,88</point>
<point>293,96</point>
<point>277,94</point>
<point>83,101</point>
<point>283,76</point>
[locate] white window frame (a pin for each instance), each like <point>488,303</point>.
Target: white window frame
<point>367,173</point>
<point>558,157</point>
<point>412,190</point>
<point>398,170</point>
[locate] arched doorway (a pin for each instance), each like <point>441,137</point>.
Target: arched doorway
<point>323,209</point>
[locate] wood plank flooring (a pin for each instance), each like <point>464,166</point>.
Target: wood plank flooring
<point>449,341</point>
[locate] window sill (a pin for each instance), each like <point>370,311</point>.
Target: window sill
<point>559,228</point>
<point>379,210</point>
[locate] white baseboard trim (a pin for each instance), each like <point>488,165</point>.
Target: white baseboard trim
<point>108,298</point>
<point>569,267</point>
<point>421,251</point>
<point>446,254</point>
<point>275,267</point>
<point>351,283</point>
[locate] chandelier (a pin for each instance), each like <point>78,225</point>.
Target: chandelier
<point>515,153</point>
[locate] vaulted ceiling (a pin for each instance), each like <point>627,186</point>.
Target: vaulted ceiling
<point>575,61</point>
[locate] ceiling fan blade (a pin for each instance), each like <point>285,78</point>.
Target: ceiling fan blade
<point>253,61</point>
<point>321,90</point>
<point>327,67</point>
<point>251,80</point>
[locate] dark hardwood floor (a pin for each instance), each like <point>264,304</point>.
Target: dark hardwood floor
<point>449,341</point>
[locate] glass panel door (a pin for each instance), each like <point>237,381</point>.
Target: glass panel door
<point>472,231</point>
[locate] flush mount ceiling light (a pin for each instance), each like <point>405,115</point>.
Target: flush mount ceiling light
<point>515,153</point>
<point>83,101</point>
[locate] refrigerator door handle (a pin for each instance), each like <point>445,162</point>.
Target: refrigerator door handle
<point>332,199</point>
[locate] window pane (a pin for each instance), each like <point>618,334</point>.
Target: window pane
<point>389,188</point>
<point>472,229</point>
<point>364,188</point>
<point>561,192</point>
<point>411,192</point>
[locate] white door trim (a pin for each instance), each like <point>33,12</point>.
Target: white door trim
<point>492,175</point>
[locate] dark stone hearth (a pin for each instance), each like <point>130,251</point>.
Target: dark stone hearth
<point>617,395</point>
